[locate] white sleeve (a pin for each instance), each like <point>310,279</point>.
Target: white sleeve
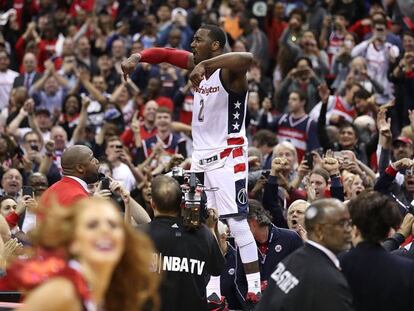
<point>360,49</point>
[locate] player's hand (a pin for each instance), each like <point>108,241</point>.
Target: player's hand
<point>197,75</point>
<point>128,65</point>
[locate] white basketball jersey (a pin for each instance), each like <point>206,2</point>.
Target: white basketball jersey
<point>218,121</point>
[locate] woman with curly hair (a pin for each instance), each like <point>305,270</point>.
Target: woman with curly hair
<point>108,266</point>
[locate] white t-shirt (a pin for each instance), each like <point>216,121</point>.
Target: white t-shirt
<point>6,84</point>
<point>29,221</point>
<point>123,174</point>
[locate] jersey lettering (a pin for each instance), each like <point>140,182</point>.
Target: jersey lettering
<point>177,264</point>
<point>284,279</point>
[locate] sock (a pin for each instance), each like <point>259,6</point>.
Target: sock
<point>253,282</point>
<point>214,286</point>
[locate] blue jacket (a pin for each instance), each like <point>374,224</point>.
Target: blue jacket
<point>281,242</point>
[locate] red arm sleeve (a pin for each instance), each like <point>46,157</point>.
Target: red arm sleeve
<point>174,57</point>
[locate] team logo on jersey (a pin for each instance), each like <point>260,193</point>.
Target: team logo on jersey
<point>231,271</point>
<point>242,196</point>
<point>278,248</point>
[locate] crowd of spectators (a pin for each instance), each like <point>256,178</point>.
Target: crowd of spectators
<point>330,106</point>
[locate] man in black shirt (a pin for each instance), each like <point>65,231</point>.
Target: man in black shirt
<point>310,279</point>
<point>185,258</point>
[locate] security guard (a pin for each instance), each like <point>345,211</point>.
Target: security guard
<point>185,258</point>
<point>310,279</point>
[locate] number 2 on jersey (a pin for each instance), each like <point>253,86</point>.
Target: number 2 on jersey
<point>201,112</point>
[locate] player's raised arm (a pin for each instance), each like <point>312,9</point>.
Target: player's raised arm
<point>235,62</point>
<point>179,58</point>
<point>234,65</point>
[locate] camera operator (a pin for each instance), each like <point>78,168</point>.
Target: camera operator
<point>185,258</point>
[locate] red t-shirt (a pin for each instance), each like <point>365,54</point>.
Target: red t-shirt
<point>127,136</point>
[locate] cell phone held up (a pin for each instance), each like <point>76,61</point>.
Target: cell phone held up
<point>309,160</point>
<point>27,190</point>
<point>105,182</point>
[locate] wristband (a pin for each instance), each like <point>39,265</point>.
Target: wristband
<point>391,170</point>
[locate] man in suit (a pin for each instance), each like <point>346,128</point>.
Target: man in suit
<point>378,280</point>
<point>30,76</point>
<point>310,279</point>
<point>80,168</point>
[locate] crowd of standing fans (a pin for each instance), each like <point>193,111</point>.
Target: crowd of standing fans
<point>330,128</point>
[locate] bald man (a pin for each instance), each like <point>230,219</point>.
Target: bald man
<point>80,168</point>
<point>147,125</point>
<point>310,279</point>
<point>12,183</point>
<point>29,75</point>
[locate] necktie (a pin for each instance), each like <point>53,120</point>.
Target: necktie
<point>27,81</point>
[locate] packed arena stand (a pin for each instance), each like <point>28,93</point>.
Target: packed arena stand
<point>294,102</point>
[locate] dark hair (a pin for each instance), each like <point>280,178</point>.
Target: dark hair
<point>299,12</point>
<point>31,133</point>
<point>321,172</point>
<point>379,21</point>
<point>345,124</point>
<point>302,95</point>
<point>362,93</point>
<point>374,214</point>
<point>113,138</point>
<point>6,197</point>
<point>265,137</point>
<point>409,33</point>
<point>166,194</point>
<point>315,213</point>
<point>303,58</point>
<point>78,98</point>
<point>215,34</point>
<point>257,211</point>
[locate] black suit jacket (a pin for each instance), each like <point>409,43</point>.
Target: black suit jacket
<point>19,80</point>
<point>306,280</point>
<point>379,281</point>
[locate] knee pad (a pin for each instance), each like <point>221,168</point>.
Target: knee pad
<point>240,230</point>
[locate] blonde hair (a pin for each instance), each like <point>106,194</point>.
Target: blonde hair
<point>298,202</point>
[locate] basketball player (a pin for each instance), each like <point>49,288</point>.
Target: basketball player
<point>219,136</point>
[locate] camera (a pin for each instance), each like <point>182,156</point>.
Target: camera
<point>116,198</point>
<point>194,202</point>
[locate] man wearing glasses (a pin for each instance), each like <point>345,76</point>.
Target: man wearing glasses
<point>310,279</point>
